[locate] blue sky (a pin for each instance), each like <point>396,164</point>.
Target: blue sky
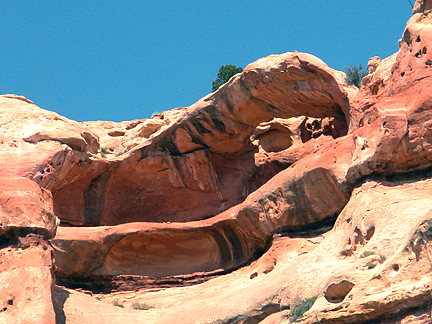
<point>123,60</point>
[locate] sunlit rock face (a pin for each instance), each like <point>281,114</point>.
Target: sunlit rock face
<point>197,162</point>
<point>285,184</point>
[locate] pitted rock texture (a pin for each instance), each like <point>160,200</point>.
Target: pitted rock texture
<point>27,278</point>
<point>239,191</point>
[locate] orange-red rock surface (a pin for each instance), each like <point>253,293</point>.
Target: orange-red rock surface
<point>285,184</point>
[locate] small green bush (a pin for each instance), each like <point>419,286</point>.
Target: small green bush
<point>141,306</point>
<point>225,73</point>
<point>302,308</point>
<point>117,303</point>
<point>104,152</point>
<point>354,75</point>
<point>365,254</point>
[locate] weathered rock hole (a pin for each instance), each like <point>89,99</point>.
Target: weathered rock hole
<point>364,146</point>
<point>375,88</point>
<point>406,37</point>
<point>428,62</point>
<point>370,233</point>
<point>315,127</point>
<point>116,133</point>
<point>418,40</point>
<point>336,292</point>
<point>402,74</point>
<point>135,124</point>
<point>253,275</point>
<point>10,302</point>
<point>424,50</point>
<point>359,239</point>
<point>3,309</point>
<point>418,54</point>
<point>274,141</point>
<point>395,267</point>
<point>4,241</point>
<point>347,253</point>
<point>417,249</point>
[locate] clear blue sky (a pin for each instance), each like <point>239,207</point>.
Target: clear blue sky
<point>123,60</point>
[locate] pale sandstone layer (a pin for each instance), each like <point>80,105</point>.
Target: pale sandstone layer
<point>206,189</point>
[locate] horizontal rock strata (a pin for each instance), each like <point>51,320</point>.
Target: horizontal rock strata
<point>232,189</point>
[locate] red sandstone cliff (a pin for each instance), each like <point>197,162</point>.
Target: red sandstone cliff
<point>283,185</point>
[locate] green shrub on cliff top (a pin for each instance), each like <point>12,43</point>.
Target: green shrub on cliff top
<point>354,75</point>
<point>225,73</point>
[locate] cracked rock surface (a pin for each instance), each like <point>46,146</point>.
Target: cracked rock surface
<point>284,186</point>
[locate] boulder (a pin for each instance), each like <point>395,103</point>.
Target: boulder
<point>25,208</point>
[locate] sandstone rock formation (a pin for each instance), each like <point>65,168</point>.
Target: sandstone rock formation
<point>284,185</point>
<point>373,64</point>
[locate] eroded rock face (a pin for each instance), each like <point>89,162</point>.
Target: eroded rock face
<point>390,279</point>
<point>229,186</point>
<point>202,163</point>
<point>296,268</point>
<point>395,103</point>
<point>26,258</point>
<point>217,179</point>
<point>25,207</point>
<point>27,281</point>
<point>153,249</point>
<point>278,134</point>
<point>188,165</point>
<point>31,154</point>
